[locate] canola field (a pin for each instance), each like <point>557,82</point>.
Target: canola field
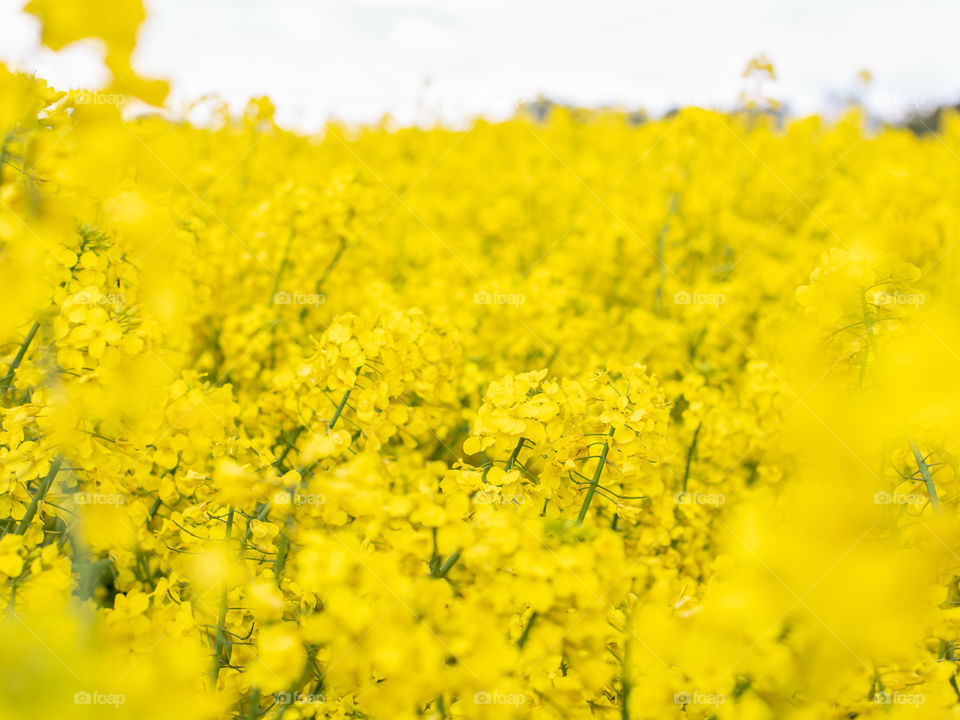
<point>575,417</point>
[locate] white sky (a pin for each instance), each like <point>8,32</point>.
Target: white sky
<point>422,60</point>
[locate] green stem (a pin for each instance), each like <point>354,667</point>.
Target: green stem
<point>41,492</point>
<point>282,550</point>
<point>514,455</point>
<point>8,378</point>
<point>627,686</point>
<point>3,155</point>
<point>434,555</point>
<point>690,452</point>
<point>293,689</point>
<point>222,618</point>
<point>144,564</point>
<point>927,477</point>
<point>868,337</point>
<point>450,562</point>
<point>591,491</point>
<point>286,451</point>
<point>526,630</point>
<point>336,414</point>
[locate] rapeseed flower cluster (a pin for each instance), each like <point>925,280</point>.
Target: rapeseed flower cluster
<point>580,418</point>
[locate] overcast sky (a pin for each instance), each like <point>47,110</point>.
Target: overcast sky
<point>421,60</point>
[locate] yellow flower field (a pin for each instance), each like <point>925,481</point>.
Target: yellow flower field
<point>575,417</point>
